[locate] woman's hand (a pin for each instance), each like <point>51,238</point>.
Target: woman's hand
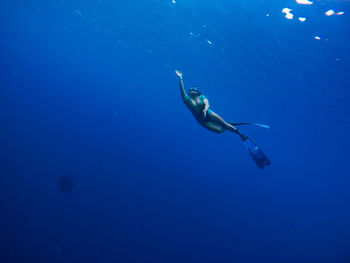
<point>179,74</point>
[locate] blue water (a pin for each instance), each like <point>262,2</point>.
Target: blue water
<point>88,91</point>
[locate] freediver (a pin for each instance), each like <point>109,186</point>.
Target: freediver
<point>198,104</point>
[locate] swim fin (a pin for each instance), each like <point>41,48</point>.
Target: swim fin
<point>256,153</point>
<point>250,123</point>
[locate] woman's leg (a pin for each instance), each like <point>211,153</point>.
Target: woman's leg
<point>213,127</point>
<point>220,121</point>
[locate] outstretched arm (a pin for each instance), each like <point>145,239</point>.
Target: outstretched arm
<point>184,95</point>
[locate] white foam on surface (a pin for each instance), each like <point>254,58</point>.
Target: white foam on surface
<point>302,19</point>
<point>286,10</point>
<point>330,12</point>
<point>289,16</point>
<point>304,2</point>
<point>288,13</point>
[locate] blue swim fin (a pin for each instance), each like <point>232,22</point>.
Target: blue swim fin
<point>250,123</point>
<point>256,153</point>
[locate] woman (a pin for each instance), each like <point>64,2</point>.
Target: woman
<point>198,104</point>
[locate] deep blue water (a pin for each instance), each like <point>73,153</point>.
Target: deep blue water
<point>88,91</point>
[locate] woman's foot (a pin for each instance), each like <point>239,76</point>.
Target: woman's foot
<point>243,137</point>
